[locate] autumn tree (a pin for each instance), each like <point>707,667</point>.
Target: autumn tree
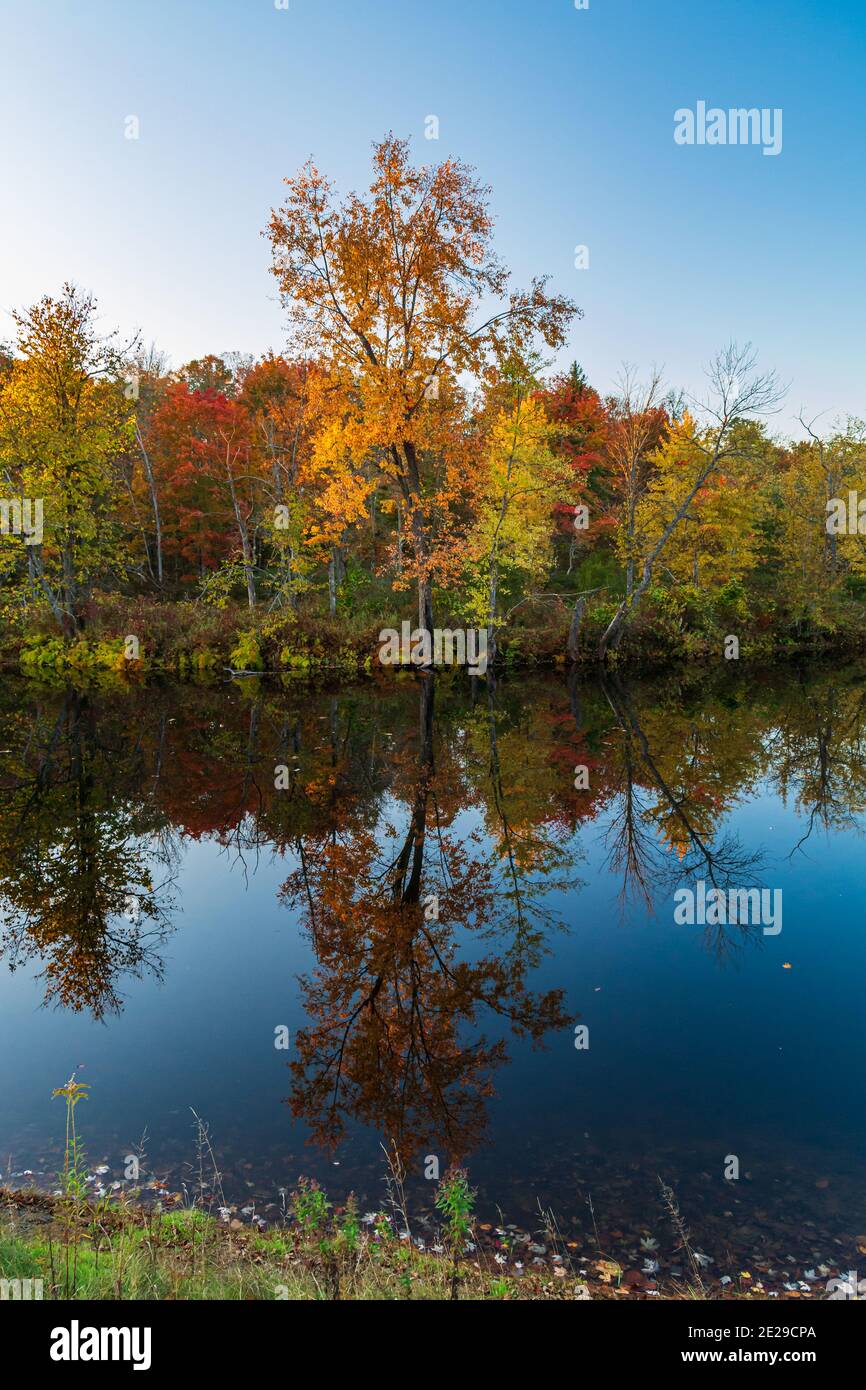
<point>387,289</point>
<point>205,468</point>
<point>209,373</point>
<point>636,421</point>
<point>63,424</point>
<point>717,539</point>
<point>520,482</point>
<point>837,463</point>
<point>337,489</point>
<point>145,381</point>
<point>737,393</point>
<point>276,395</point>
<point>579,433</point>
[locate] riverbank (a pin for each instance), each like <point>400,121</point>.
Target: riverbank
<point>126,1250</point>
<point>134,638</point>
<point>89,1236</point>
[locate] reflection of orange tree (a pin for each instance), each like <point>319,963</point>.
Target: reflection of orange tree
<point>97,791</point>
<point>526,803</point>
<point>75,868</point>
<point>394,1003</point>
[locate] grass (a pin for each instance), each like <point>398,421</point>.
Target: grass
<point>118,1248</point>
<point>128,1252</point>
<point>110,1249</point>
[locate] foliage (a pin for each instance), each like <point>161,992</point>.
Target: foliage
<point>408,439</point>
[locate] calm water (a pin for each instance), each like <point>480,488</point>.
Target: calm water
<point>167,909</point>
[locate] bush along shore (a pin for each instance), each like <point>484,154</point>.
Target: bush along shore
<point>131,639</point>
<point>94,1237</point>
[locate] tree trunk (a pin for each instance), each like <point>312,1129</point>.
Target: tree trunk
<point>629,568</point>
<point>332,584</point>
<point>412,488</point>
<point>37,576</point>
<point>409,863</point>
<point>154,500</point>
<point>573,643</point>
<point>245,538</point>
<point>491,612</point>
<point>248,571</point>
<point>71,615</point>
<point>425,604</point>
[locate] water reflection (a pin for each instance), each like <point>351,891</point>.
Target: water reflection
<point>431,843</point>
<point>86,860</point>
<point>396,1002</point>
<point>664,828</point>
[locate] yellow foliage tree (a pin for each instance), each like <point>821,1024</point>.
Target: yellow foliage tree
<point>520,482</point>
<point>716,539</point>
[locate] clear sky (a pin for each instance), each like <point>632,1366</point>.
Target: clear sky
<point>567,113</point>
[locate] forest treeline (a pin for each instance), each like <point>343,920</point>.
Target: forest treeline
<point>410,454</point>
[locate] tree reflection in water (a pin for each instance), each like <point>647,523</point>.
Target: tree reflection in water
<point>432,837</point>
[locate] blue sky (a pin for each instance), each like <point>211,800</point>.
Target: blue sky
<point>568,114</point>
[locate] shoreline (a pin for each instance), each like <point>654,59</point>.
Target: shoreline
<point>167,1250</point>
<point>55,660</point>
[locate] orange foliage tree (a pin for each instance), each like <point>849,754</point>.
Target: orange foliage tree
<point>387,289</point>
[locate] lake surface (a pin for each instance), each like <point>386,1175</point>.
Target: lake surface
<point>403,882</point>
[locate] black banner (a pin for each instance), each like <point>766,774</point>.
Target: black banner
<point>153,1338</point>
